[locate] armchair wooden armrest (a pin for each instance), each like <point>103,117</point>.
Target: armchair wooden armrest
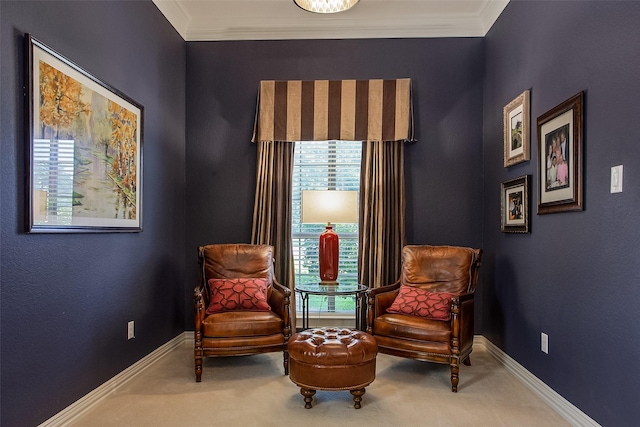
<point>462,321</point>
<point>200,297</point>
<point>462,304</point>
<point>464,297</point>
<point>280,302</point>
<point>378,300</point>
<point>199,306</point>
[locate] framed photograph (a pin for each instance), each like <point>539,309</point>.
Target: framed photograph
<point>84,149</point>
<point>560,147</point>
<point>515,205</point>
<point>516,130</point>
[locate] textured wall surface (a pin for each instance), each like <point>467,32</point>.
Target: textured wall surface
<point>67,298</point>
<point>576,277</point>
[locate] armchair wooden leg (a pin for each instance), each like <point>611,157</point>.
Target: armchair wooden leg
<point>198,354</point>
<point>286,362</point>
<point>467,361</point>
<point>198,364</point>
<point>455,369</point>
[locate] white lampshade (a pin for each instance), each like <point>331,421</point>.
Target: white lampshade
<point>325,6</point>
<point>324,206</point>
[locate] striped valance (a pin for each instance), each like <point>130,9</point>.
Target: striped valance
<point>349,110</point>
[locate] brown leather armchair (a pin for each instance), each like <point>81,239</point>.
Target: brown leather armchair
<point>437,269</point>
<point>240,332</point>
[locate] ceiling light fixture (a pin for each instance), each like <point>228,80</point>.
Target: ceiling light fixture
<point>325,6</point>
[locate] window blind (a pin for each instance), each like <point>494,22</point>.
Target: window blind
<point>324,165</point>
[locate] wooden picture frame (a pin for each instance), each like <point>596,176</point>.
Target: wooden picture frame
<point>560,151</point>
<point>515,205</point>
<point>84,149</point>
<point>517,120</point>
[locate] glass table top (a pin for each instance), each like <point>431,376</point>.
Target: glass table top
<point>339,289</point>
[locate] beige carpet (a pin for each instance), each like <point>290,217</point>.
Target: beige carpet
<point>253,391</point>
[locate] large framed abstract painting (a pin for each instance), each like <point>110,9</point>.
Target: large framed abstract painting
<point>84,149</point>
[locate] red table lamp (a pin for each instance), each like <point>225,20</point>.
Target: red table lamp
<point>326,206</point>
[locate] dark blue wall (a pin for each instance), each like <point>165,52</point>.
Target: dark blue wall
<point>66,299</point>
<point>443,169</point>
<point>576,277</point>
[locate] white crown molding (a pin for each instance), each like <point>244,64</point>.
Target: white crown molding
<point>264,22</point>
<point>442,26</point>
<point>175,14</point>
<point>326,33</point>
<point>490,13</point>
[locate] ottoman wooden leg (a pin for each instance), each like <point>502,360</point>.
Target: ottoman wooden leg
<point>357,397</point>
<point>308,396</point>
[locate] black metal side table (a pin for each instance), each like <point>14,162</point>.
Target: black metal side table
<point>357,291</point>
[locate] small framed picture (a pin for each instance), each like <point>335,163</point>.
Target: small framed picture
<point>515,205</point>
<point>560,147</point>
<point>516,130</point>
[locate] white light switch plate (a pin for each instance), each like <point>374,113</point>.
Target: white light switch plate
<point>616,179</point>
<point>130,330</point>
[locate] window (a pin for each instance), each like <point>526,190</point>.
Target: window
<point>325,165</point>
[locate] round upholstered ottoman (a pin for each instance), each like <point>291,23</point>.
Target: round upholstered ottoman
<point>332,359</point>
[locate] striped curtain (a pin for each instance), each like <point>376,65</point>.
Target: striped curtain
<point>382,213</point>
<point>272,209</point>
<point>373,111</point>
<point>348,110</point>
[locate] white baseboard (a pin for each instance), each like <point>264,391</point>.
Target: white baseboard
<point>84,404</point>
<point>561,405</point>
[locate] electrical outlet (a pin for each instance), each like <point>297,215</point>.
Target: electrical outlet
<point>544,342</point>
<point>130,330</point>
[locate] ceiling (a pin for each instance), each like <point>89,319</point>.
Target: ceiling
<point>281,19</point>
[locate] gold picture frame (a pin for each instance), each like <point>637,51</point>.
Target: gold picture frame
<point>516,130</point>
